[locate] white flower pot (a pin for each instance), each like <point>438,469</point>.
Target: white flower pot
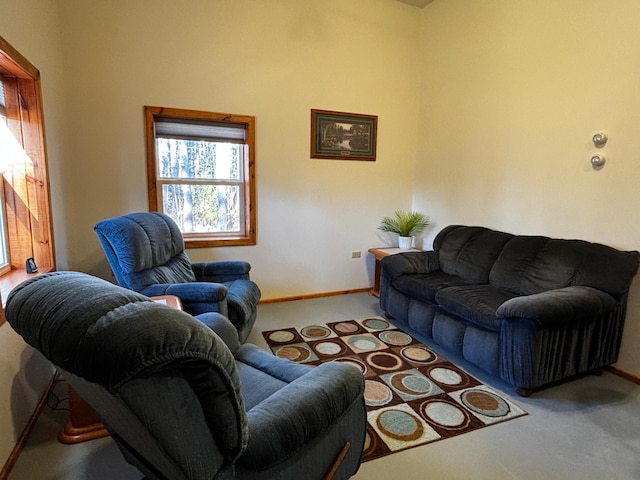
<point>404,243</point>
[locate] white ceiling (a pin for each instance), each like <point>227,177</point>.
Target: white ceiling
<point>417,3</point>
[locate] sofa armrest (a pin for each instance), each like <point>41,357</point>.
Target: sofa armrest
<point>300,412</point>
<point>409,262</point>
<point>221,271</point>
<point>558,306</point>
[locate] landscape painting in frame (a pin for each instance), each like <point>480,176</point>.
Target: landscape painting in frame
<point>343,136</point>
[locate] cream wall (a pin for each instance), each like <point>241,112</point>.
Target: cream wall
<point>512,92</point>
<point>31,27</point>
<point>275,60</point>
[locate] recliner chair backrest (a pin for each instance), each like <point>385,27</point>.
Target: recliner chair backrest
<point>143,249</point>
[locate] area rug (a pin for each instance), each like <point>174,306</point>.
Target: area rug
<point>413,395</point>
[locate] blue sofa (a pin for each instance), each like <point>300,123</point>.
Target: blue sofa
<point>181,397</point>
<point>532,310</point>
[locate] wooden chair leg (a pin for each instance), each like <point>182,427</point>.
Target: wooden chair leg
<point>336,463</point>
<point>84,423</point>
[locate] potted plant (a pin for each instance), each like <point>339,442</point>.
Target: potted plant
<point>406,225</point>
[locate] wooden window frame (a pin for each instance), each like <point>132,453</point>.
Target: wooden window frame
<point>26,187</point>
<point>151,114</point>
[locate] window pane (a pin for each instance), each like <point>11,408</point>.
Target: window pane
<point>203,208</point>
<point>199,159</point>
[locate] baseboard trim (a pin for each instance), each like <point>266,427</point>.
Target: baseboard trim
<point>314,295</point>
<point>626,375</point>
<point>22,440</point>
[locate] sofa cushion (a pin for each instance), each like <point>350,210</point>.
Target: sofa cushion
<point>469,252</point>
<point>423,286</point>
<point>476,304</point>
<point>528,265</point>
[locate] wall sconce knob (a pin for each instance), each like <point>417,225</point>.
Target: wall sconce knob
<point>600,139</point>
<point>597,161</point>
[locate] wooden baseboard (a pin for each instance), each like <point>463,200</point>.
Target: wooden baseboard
<point>314,295</point>
<point>626,375</point>
<point>22,440</point>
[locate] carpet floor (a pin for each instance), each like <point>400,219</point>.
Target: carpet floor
<point>413,395</point>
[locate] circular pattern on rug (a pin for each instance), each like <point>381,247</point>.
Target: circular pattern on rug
<point>330,348</point>
<point>446,376</point>
<point>376,323</point>
<point>315,332</point>
<point>364,343</point>
<point>385,361</point>
<point>485,403</point>
<point>445,414</point>
<point>376,394</point>
<point>400,425</point>
<point>418,354</point>
<point>360,365</point>
<point>411,383</point>
<point>293,353</point>
<point>395,337</point>
<point>281,336</point>
<point>346,327</point>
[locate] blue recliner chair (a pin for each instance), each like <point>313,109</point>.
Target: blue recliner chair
<point>146,253</point>
<point>182,402</point>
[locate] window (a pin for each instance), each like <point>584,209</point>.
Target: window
<point>25,180</point>
<point>201,172</point>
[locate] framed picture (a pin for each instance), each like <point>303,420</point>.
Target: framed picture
<point>343,136</point>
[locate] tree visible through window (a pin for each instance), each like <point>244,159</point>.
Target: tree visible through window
<point>201,173</point>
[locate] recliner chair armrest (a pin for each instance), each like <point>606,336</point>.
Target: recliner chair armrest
<point>300,412</point>
<point>188,291</point>
<point>562,305</point>
<point>410,262</point>
<point>196,297</point>
<point>221,271</point>
<point>222,327</point>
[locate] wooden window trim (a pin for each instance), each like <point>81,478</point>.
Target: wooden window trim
<point>197,241</point>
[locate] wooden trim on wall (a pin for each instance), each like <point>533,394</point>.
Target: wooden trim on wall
<point>622,374</point>
<point>36,173</point>
<point>22,440</point>
<point>314,295</point>
<point>13,64</point>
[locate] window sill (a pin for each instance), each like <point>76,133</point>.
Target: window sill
<point>14,278</point>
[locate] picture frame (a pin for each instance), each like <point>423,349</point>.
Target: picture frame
<point>343,136</point>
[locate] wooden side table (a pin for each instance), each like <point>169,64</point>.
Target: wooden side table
<point>84,424</point>
<point>378,254</point>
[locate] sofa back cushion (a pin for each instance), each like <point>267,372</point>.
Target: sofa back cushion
<point>469,252</point>
<point>533,264</point>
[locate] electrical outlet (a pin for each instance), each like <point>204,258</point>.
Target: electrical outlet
<point>356,254</point>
